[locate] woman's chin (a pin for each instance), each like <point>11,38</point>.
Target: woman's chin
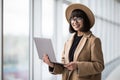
<point>77,29</point>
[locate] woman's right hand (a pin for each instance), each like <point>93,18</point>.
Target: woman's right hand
<point>47,60</point>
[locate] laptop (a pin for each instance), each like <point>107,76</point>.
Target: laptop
<point>44,46</point>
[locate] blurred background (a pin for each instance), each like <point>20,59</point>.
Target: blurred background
<point>22,20</point>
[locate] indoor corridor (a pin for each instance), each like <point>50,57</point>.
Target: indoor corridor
<point>23,20</point>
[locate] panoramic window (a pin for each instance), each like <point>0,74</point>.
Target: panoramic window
<point>16,40</point>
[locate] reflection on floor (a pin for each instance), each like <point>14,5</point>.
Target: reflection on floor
<point>115,75</point>
<point>110,68</point>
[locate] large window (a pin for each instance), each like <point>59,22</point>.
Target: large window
<point>65,25</point>
<point>47,29</point>
<point>16,40</point>
<point>47,18</point>
<point>43,27</point>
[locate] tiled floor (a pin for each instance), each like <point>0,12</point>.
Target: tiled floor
<point>115,75</point>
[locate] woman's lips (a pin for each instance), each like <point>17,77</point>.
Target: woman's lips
<point>76,26</point>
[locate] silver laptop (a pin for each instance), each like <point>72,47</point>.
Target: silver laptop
<point>44,46</point>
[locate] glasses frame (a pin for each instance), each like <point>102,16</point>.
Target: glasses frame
<point>77,19</point>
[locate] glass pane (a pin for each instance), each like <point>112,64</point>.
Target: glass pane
<point>65,25</point>
<point>47,17</point>
<point>16,40</point>
<point>47,30</point>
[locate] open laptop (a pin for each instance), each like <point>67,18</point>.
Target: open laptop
<point>44,46</point>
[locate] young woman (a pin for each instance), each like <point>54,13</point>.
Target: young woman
<point>82,54</point>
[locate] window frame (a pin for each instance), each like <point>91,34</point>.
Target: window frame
<point>1,40</point>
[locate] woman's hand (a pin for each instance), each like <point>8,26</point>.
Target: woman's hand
<point>47,60</point>
<point>71,66</point>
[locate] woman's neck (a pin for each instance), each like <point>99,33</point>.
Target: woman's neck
<point>79,33</point>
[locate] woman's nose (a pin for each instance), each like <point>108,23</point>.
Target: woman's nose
<point>75,22</point>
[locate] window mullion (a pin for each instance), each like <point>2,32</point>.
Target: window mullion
<point>1,39</point>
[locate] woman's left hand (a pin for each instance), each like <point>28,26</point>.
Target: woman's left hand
<point>71,66</point>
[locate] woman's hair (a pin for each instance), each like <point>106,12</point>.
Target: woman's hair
<point>86,23</point>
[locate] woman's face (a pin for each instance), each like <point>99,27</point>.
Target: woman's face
<point>77,23</point>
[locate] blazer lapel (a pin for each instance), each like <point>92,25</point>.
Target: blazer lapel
<point>77,51</point>
<point>80,47</point>
<point>81,44</point>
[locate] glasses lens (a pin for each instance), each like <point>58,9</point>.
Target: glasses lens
<point>78,19</point>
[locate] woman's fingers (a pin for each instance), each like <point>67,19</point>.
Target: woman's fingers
<point>71,66</point>
<point>46,58</point>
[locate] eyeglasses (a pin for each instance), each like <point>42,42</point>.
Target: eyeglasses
<point>78,19</point>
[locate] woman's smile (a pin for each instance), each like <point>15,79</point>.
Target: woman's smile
<point>77,23</point>
<point>77,26</point>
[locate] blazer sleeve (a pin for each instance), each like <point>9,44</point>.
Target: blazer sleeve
<point>96,65</point>
<point>58,69</point>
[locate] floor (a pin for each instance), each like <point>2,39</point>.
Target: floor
<point>115,75</point>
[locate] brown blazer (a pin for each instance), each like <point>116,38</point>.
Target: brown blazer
<point>89,58</point>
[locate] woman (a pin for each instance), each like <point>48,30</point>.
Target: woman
<point>82,54</point>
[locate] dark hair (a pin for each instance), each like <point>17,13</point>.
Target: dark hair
<point>86,23</point>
